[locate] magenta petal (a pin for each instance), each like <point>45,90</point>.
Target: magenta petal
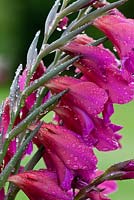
<point>108,111</point>
<point>40,185</point>
<point>29,148</point>
<point>68,147</point>
<point>75,119</point>
<point>85,95</point>
<point>119,90</point>
<point>64,175</point>
<point>128,62</point>
<point>22,80</point>
<point>96,195</point>
<point>104,136</point>
<point>121,32</point>
<point>31,100</point>
<point>82,39</point>
<point>95,58</point>
<point>108,186</point>
<point>89,97</point>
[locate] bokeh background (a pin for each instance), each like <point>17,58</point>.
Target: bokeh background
<point>19,21</point>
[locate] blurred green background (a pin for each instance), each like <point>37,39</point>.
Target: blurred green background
<point>19,21</point>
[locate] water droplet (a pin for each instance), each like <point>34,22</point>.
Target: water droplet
<point>68,162</point>
<point>114,49</point>
<point>59,29</point>
<point>75,158</point>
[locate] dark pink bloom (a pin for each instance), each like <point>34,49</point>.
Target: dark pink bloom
<point>40,185</point>
<point>95,132</point>
<point>63,23</point>
<point>120,31</point>
<point>103,137</point>
<point>108,111</point>
<point>85,95</point>
<point>83,39</point>
<point>73,116</point>
<point>100,66</point>
<point>67,153</point>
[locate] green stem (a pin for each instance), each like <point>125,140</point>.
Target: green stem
<point>41,93</point>
<point>97,13</point>
<point>83,192</point>
<point>46,77</point>
<point>75,6</point>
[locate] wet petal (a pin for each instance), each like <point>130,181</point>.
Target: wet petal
<point>85,95</point>
<point>40,185</point>
<point>108,187</point>
<point>120,91</point>
<point>68,146</point>
<point>104,137</point>
<point>64,174</point>
<point>95,58</point>
<point>75,119</point>
<point>38,73</point>
<point>96,195</point>
<point>108,111</point>
<point>120,31</point>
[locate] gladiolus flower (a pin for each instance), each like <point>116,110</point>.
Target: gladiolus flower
<point>100,66</point>
<point>95,132</point>
<point>85,95</point>
<point>68,153</point>
<point>120,31</point>
<point>40,185</point>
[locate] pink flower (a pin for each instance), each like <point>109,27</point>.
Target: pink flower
<point>67,154</point>
<point>100,66</point>
<point>40,185</point>
<point>120,31</point>
<point>95,132</point>
<point>85,95</point>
